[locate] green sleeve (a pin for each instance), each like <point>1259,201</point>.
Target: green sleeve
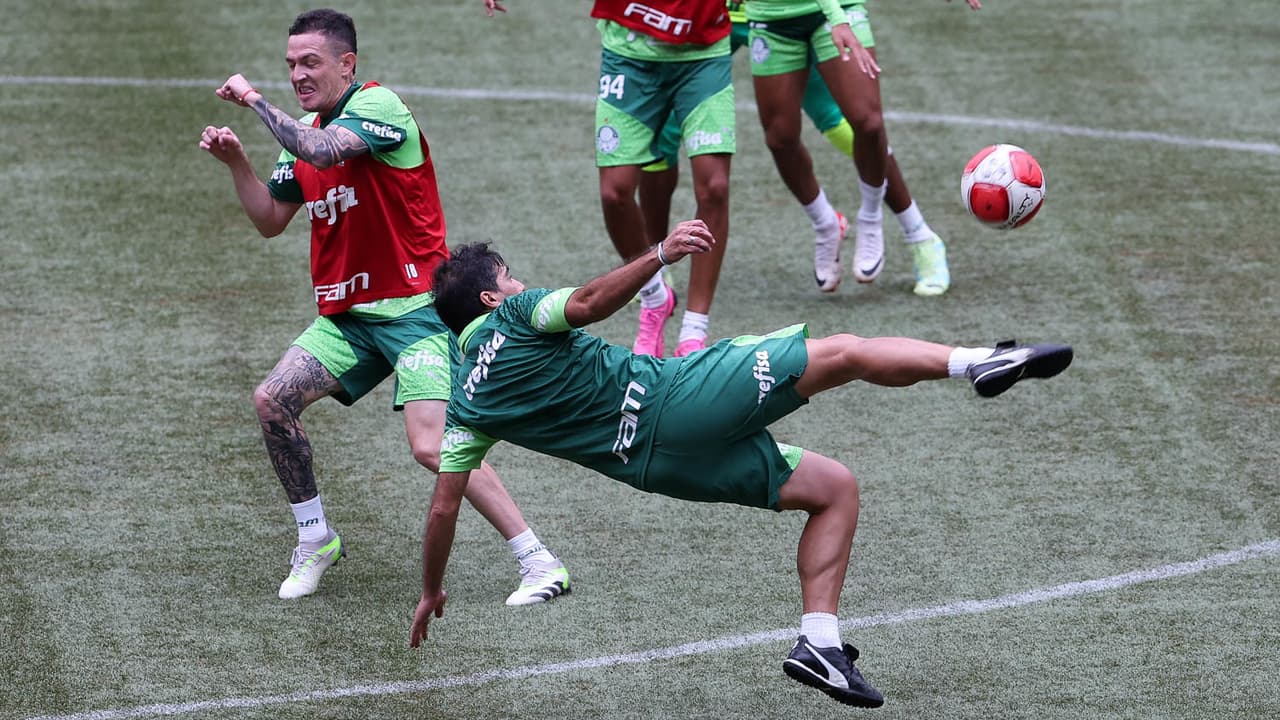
<point>463,449</point>
<point>548,313</point>
<point>282,185</point>
<point>385,124</point>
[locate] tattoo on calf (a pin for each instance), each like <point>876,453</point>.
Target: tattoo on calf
<point>286,441</point>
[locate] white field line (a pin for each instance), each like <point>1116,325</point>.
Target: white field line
<point>1256,148</point>
<point>1268,549</point>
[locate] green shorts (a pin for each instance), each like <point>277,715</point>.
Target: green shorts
<point>362,351</point>
<point>818,105</point>
<point>784,46</point>
<point>712,443</point>
<point>637,96</point>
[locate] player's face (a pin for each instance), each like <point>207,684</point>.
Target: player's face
<point>319,73</point>
<point>508,285</point>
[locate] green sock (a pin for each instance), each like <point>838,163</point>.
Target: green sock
<point>842,137</point>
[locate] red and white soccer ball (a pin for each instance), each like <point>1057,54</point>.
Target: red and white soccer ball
<point>1002,186</point>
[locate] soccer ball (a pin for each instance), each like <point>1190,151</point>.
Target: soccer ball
<point>1002,186</point>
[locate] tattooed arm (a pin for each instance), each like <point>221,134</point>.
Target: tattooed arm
<point>320,147</point>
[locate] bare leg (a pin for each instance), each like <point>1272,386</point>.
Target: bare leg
<point>711,189</point>
<point>622,217</point>
<point>859,99</point>
<point>897,195</point>
<point>828,491</point>
<point>892,361</point>
<point>296,381</point>
<point>778,99</point>
<point>656,189</point>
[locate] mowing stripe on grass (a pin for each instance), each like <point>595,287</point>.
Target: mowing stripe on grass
<point>1268,549</point>
<point>1256,148</point>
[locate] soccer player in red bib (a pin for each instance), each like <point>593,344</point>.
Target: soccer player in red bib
<point>359,165</point>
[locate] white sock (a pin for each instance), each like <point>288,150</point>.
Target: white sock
<point>822,215</point>
<point>962,358</point>
<point>872,197</point>
<point>309,515</point>
<point>822,629</point>
<point>694,326</point>
<point>914,228</point>
<point>528,549</point>
<point>654,292</point>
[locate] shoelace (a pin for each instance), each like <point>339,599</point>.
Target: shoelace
<point>302,559</point>
<point>537,574</point>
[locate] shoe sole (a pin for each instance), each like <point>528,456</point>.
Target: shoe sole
<point>798,672</point>
<point>1047,361</point>
<point>931,290</point>
<point>824,289</point>
<point>541,601</point>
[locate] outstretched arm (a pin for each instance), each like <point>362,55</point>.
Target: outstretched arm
<point>605,295</point>
<point>321,147</point>
<point>437,541</point>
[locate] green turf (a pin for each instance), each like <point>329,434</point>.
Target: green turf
<point>144,535</point>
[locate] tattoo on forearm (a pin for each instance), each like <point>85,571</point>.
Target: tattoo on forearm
<point>286,441</point>
<point>322,148</point>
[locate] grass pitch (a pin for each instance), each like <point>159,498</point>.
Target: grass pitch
<point>144,534</point>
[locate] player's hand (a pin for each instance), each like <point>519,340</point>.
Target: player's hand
<point>221,143</point>
<point>491,5</point>
<point>427,606</point>
<point>850,49</point>
<point>235,89</point>
<point>689,237</point>
<point>974,4</point>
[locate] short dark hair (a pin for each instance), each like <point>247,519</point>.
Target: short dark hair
<point>338,27</point>
<point>458,282</point>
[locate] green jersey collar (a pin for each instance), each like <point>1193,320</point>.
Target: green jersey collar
<point>470,330</point>
<point>342,104</point>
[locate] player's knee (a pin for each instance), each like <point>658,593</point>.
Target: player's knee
<point>712,192</point>
<point>269,406</point>
<point>428,456</point>
<point>782,138</point>
<point>614,197</point>
<point>844,489</point>
<point>867,121</point>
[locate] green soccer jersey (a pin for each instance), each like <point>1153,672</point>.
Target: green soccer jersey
<point>528,378</point>
<point>382,121</point>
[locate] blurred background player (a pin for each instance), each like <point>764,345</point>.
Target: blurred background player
<point>664,59</point>
<point>360,165</point>
<point>788,39</point>
<point>830,227</point>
